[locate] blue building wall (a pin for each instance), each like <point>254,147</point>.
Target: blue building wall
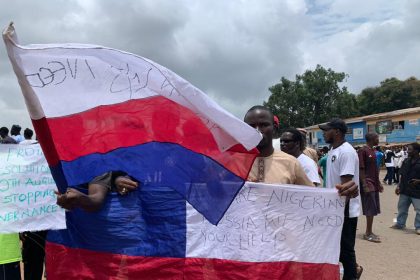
<point>351,126</point>
<point>408,134</point>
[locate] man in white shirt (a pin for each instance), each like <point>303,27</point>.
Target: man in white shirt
<point>15,133</point>
<point>398,160</point>
<point>343,166</point>
<point>390,167</point>
<point>292,142</point>
<point>311,153</point>
<point>28,133</point>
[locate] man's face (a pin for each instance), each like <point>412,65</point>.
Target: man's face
<point>287,143</point>
<point>263,122</point>
<point>328,135</point>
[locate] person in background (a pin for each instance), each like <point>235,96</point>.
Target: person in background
<point>370,185</point>
<point>292,143</point>
<point>405,152</point>
<point>28,133</point>
<point>409,188</point>
<point>379,156</point>
<point>33,254</point>
<point>390,167</point>
<point>15,132</point>
<point>398,160</point>
<point>5,138</point>
<point>10,256</point>
<point>323,164</point>
<point>308,151</point>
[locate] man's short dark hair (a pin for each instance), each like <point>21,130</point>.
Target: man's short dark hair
<point>370,135</point>
<point>260,107</point>
<point>4,130</point>
<point>28,133</point>
<point>296,136</point>
<point>15,129</point>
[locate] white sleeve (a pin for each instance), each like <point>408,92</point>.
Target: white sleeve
<point>313,174</point>
<point>348,163</point>
<point>311,170</point>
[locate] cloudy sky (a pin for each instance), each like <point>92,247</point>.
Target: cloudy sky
<point>232,50</point>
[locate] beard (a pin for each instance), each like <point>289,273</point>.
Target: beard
<point>263,143</point>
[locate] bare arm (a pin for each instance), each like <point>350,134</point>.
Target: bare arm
<point>348,187</point>
<point>346,178</point>
<point>90,202</point>
<point>362,175</point>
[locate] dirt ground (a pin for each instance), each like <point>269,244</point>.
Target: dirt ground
<point>398,256</point>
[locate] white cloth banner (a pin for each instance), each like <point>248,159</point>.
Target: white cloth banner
<point>27,198</point>
<point>272,223</point>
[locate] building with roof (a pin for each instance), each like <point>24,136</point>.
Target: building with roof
<point>394,128</point>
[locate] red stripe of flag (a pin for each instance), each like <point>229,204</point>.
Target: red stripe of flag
<point>68,263</point>
<point>105,128</point>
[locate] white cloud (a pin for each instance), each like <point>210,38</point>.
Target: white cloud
<point>233,50</point>
<point>384,45</point>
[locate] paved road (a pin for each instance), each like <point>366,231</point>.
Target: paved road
<point>398,256</point>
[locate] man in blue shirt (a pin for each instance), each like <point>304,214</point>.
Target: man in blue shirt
<point>379,156</point>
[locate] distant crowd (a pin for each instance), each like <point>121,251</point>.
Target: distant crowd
<point>15,136</point>
<point>392,157</point>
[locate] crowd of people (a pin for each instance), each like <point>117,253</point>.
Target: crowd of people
<point>15,136</point>
<point>339,161</point>
<point>338,166</point>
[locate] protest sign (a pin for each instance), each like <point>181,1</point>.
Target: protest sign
<point>268,232</point>
<point>268,222</point>
<point>27,199</point>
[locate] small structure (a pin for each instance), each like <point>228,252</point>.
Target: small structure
<point>395,128</point>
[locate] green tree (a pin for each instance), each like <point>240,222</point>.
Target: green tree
<point>392,94</point>
<point>314,97</point>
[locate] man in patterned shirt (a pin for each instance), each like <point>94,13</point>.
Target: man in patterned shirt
<point>276,167</point>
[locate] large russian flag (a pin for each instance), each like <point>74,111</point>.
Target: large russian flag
<point>97,109</point>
